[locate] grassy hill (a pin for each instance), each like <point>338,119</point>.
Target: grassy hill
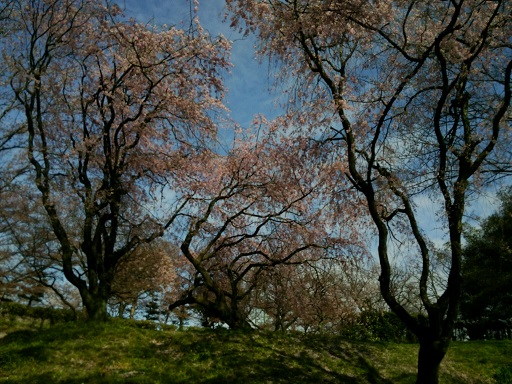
<point>122,352</point>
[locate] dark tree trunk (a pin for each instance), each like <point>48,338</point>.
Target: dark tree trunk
<point>96,307</point>
<point>430,356</point>
<point>133,308</point>
<point>228,311</point>
<point>122,308</point>
<point>238,322</point>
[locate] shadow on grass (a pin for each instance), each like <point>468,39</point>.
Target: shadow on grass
<point>215,358</point>
<point>224,358</point>
<point>122,355</point>
<point>250,359</point>
<point>22,352</point>
<point>355,357</point>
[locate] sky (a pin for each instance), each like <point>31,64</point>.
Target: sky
<point>248,84</point>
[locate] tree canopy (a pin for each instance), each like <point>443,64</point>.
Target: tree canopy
<point>486,307</point>
<point>102,110</point>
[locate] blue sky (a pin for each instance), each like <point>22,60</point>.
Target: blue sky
<point>248,84</point>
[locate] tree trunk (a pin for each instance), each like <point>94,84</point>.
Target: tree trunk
<point>96,308</point>
<point>133,308</point>
<point>237,322</point>
<point>430,356</point>
<point>121,309</point>
<point>232,315</point>
<point>228,312</point>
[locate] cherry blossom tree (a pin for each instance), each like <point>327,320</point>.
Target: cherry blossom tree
<point>263,204</point>
<point>309,296</point>
<point>414,97</point>
<point>24,245</point>
<point>149,270</point>
<point>327,295</point>
<point>29,252</point>
<point>103,110</point>
<point>277,304</point>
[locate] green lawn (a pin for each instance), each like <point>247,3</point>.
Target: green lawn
<point>120,352</point>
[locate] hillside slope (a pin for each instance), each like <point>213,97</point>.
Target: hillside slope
<point>121,352</point>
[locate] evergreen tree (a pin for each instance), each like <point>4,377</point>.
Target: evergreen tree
<point>486,308</point>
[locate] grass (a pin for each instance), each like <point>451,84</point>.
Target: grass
<point>121,352</point>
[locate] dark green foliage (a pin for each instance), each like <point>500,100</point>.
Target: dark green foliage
<point>378,326</point>
<point>146,324</point>
<point>504,375</point>
<point>153,310</point>
<point>486,308</point>
<point>12,310</point>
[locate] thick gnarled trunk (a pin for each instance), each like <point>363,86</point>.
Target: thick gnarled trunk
<point>430,355</point>
<point>95,305</point>
<point>96,309</point>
